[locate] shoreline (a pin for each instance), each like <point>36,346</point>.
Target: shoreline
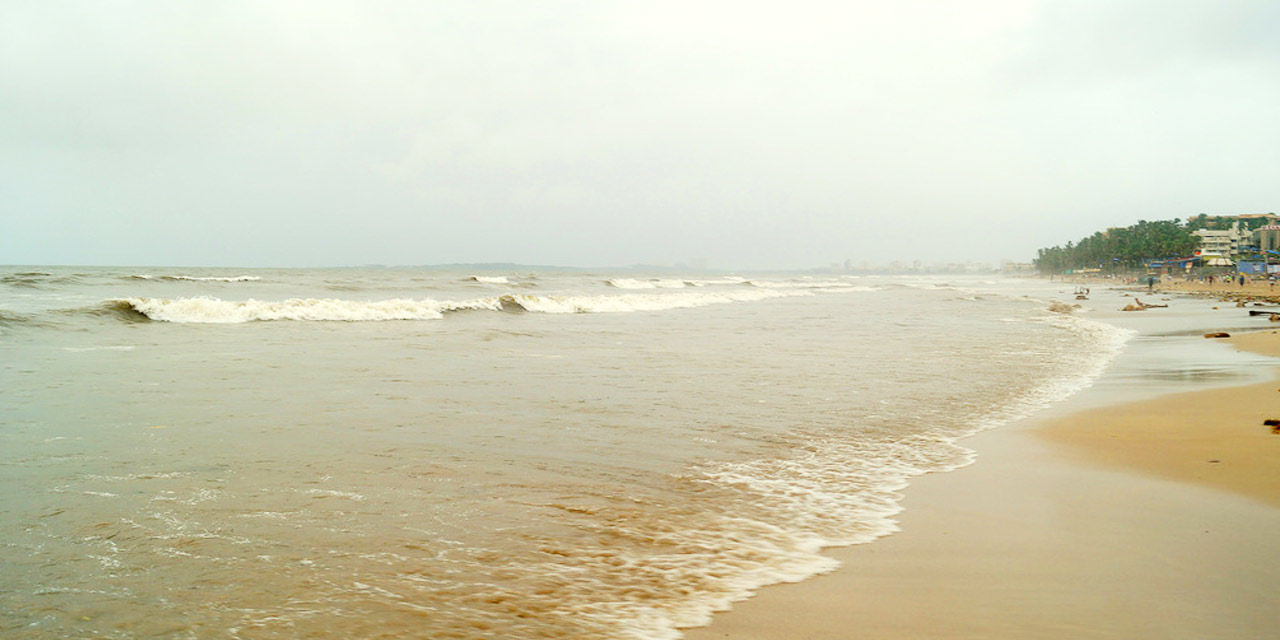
<point>1075,524</point>
<point>1214,437</point>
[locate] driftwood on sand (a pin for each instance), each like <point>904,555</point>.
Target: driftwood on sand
<point>1139,305</point>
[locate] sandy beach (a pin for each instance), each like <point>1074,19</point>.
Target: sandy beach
<point>1216,437</point>
<point>1154,519</point>
<point>1258,288</point>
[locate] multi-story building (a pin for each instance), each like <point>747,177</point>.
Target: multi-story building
<point>1267,237</point>
<point>1216,242</point>
<point>1222,242</point>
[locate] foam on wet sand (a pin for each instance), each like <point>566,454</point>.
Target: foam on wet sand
<point>1108,523</point>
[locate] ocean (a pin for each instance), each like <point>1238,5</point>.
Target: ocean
<point>417,453</point>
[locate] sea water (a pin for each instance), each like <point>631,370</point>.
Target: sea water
<point>356,453</point>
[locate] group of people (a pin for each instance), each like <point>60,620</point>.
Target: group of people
<point>1239,279</point>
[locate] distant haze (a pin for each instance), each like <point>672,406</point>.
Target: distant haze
<point>733,134</point>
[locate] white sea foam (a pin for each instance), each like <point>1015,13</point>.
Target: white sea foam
<point>491,279</point>
<point>220,279</point>
<point>841,491</point>
<point>200,278</point>
<point>1101,343</point>
<point>836,492</point>
<point>831,491</point>
<point>747,555</point>
<point>729,280</point>
<point>629,283</point>
<point>208,310</point>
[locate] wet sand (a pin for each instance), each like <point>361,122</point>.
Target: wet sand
<point>1216,437</point>
<point>1108,523</point>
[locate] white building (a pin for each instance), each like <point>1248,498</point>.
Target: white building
<point>1215,242</point>
<point>1222,242</point>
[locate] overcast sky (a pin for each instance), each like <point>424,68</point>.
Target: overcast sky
<point>743,134</point>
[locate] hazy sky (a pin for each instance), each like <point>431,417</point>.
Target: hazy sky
<point>746,134</point>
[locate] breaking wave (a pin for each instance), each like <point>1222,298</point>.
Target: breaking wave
<point>198,278</point>
<point>489,279</point>
<point>207,310</point>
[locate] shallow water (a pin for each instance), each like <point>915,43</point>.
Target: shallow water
<point>443,454</point>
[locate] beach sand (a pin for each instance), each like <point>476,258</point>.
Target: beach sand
<point>1216,437</point>
<point>1109,523</point>
<point>1257,288</point>
<point>1229,291</point>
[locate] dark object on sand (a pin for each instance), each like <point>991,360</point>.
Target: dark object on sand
<point>1274,424</point>
<point>1218,334</point>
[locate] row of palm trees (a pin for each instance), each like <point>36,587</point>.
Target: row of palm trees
<point>1121,248</point>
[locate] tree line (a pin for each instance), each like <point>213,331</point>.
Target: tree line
<point>1126,248</point>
